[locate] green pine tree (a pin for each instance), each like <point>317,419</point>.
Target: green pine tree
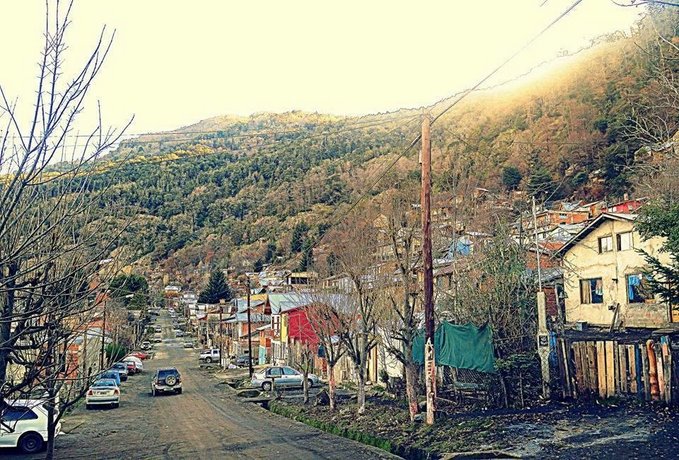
<point>298,234</point>
<point>217,289</point>
<point>307,255</point>
<point>662,219</point>
<point>511,177</point>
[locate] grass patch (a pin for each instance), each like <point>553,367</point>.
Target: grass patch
<point>295,413</point>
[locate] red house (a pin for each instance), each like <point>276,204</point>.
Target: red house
<point>299,327</point>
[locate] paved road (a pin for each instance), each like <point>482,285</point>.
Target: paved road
<point>206,421</point>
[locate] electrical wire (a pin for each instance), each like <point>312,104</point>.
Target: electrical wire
<point>458,97</point>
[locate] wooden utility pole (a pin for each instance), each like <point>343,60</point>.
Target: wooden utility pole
<point>425,202</point>
<point>250,370</point>
<point>221,333</point>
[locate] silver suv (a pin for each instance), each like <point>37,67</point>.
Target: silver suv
<point>166,379</point>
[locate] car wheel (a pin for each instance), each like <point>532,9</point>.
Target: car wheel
<point>311,383</point>
<point>30,443</point>
<point>116,405</point>
<point>266,386</point>
<point>208,360</point>
<point>88,407</point>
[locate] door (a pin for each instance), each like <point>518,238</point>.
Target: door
<point>292,377</point>
<point>274,375</point>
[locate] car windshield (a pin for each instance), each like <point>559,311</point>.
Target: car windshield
<point>104,383</point>
<point>165,372</point>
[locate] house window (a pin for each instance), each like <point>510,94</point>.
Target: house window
<point>592,291</point>
<point>625,241</point>
<point>605,244</point>
<point>638,288</point>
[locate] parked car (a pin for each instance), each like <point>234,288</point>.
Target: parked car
<point>139,366</point>
<point>131,367</point>
<point>178,333</point>
<point>284,377</point>
<point>140,354</point>
<point>103,392</point>
<point>166,379</point>
<point>158,329</point>
<point>146,345</point>
<point>188,344</point>
<point>209,355</point>
<point>24,425</point>
<point>242,361</point>
<point>157,337</point>
<point>111,374</point>
<point>122,370</point>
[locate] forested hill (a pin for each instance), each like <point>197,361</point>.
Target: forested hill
<point>231,189</point>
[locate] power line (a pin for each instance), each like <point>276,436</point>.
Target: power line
<point>461,95</point>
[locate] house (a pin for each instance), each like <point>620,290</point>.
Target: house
<point>172,290</point>
<point>604,278</point>
<point>547,221</point>
<point>265,337</point>
<point>280,303</point>
<point>299,280</point>
<point>626,206</point>
<point>594,208</point>
<point>236,325</point>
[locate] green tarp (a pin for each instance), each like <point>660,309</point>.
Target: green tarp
<point>463,347</point>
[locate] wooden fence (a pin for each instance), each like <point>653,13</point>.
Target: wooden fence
<point>607,368</point>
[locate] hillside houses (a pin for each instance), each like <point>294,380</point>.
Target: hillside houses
<point>585,255</point>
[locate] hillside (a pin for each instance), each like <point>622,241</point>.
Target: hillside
<point>230,190</point>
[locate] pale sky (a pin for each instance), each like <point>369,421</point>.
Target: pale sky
<point>174,62</point>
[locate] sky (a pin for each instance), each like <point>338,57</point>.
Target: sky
<point>174,63</point>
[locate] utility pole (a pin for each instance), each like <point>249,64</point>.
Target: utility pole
<point>103,337</point>
<point>537,245</point>
<point>221,333</point>
<point>249,331</point>
<point>428,289</point>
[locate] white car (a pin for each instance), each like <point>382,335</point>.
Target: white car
<point>103,392</point>
<point>138,365</point>
<point>209,355</point>
<point>24,425</point>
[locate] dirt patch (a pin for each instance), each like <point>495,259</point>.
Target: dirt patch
<point>551,430</point>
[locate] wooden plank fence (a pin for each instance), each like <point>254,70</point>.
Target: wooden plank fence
<point>607,368</point>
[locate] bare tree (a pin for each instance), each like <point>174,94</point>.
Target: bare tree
<point>50,239</point>
<point>354,243</point>
<point>400,237</point>
<point>324,317</point>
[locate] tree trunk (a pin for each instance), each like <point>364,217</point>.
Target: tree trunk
<point>411,390</point>
<point>360,393</point>
<point>305,385</point>
<point>331,386</point>
<point>51,425</point>
<point>52,369</point>
<point>6,323</point>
